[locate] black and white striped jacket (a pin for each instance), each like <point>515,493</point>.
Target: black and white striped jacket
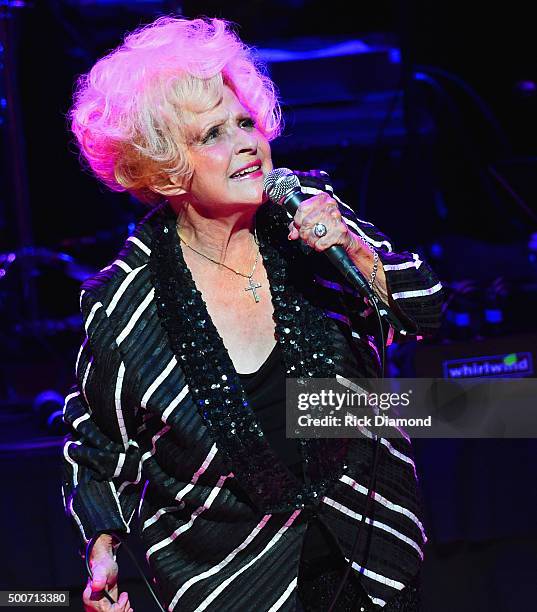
<point>138,444</point>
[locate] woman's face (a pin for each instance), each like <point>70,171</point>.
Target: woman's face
<point>230,156</point>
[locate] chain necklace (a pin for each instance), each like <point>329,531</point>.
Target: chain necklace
<point>252,285</point>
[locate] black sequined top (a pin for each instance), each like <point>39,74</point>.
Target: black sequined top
<point>266,391</point>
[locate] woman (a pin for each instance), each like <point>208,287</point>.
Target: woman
<point>192,331</point>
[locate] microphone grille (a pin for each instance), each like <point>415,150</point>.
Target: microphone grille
<point>279,182</point>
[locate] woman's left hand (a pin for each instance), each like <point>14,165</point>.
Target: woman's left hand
<point>324,210</point>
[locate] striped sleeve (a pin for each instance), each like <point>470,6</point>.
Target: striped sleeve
<point>416,294</point>
<point>414,290</point>
<point>101,469</point>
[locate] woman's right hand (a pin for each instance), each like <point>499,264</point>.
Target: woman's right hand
<point>105,571</point>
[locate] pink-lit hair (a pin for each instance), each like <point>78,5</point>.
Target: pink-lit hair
<point>130,110</point>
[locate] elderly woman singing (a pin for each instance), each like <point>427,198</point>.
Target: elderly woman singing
<point>191,332</point>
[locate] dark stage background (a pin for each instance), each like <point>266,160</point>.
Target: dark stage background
<point>426,124</point>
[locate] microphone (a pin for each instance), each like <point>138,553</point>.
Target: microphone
<point>283,187</point>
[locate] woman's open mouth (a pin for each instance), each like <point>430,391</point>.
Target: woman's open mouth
<point>251,172</point>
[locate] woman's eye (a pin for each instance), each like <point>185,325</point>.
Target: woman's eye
<point>211,134</point>
<point>247,122</point>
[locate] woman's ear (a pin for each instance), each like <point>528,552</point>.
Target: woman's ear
<point>169,190</point>
<point>169,186</point>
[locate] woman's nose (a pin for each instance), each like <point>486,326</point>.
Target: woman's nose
<point>245,141</point>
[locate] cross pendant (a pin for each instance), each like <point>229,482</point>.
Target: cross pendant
<point>252,286</point>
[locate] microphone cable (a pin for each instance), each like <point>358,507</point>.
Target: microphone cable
<point>372,479</point>
<point>89,548</point>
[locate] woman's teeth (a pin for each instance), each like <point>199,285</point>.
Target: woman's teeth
<point>245,171</point>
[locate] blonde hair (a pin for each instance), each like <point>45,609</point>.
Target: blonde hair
<point>130,110</point>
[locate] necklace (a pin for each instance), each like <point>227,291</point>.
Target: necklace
<point>252,285</point>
